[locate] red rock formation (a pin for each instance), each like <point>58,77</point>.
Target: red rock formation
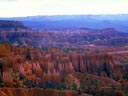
<point>32,67</point>
<point>37,69</point>
<point>21,69</point>
<point>7,79</point>
<point>81,61</point>
<point>74,59</point>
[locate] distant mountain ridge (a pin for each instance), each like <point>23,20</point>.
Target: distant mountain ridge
<point>9,25</point>
<point>118,21</point>
<point>14,32</point>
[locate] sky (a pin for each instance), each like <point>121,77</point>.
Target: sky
<point>21,8</point>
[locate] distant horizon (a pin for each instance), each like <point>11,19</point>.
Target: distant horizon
<point>61,15</point>
<point>24,8</point>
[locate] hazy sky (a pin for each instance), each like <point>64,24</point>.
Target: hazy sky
<point>15,8</point>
